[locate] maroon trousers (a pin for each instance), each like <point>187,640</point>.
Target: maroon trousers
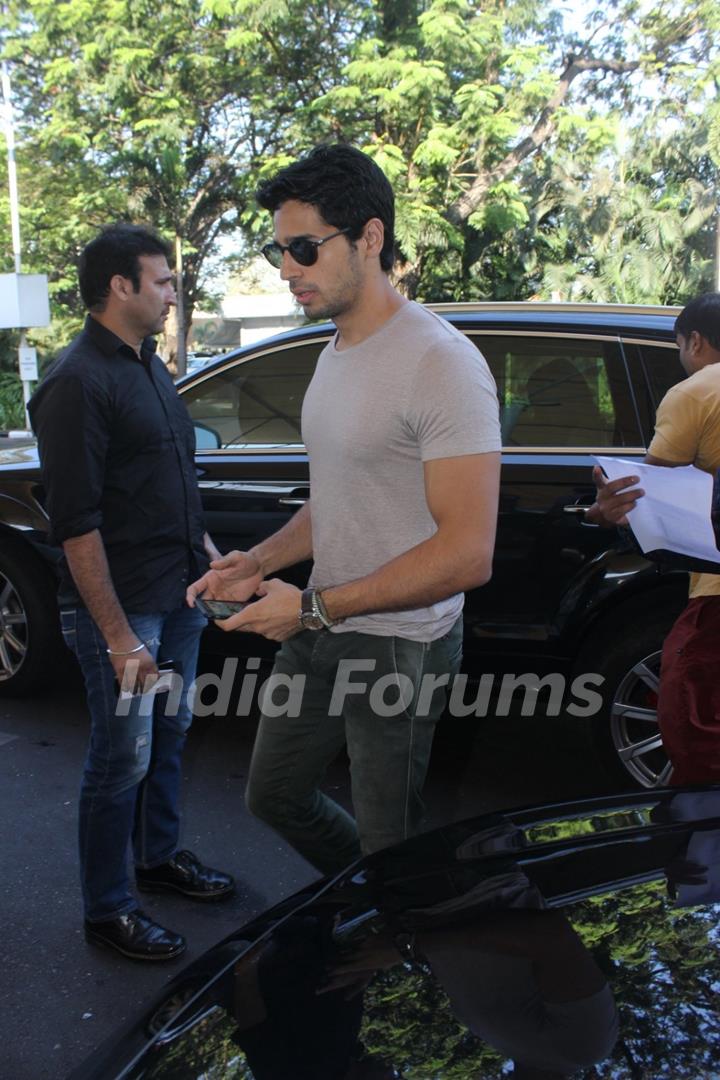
<point>689,705</point>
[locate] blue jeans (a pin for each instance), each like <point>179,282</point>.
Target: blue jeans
<point>130,785</point>
<point>389,754</point>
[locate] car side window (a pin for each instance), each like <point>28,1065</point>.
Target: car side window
<point>560,392</point>
<point>254,403</point>
<point>662,369</point>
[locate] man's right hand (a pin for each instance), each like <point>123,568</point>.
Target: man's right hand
<point>131,671</point>
<point>235,576</point>
<point>613,500</point>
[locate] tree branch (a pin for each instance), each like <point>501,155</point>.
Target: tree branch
<point>469,201</point>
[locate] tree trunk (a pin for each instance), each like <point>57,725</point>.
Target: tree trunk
<point>173,340</point>
<point>168,340</point>
<point>182,326</point>
<point>406,278</point>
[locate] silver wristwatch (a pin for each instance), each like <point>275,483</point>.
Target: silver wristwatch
<point>313,613</point>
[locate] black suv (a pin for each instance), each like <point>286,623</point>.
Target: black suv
<point>573,618</point>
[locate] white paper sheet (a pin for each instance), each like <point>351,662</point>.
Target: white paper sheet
<point>674,512</point>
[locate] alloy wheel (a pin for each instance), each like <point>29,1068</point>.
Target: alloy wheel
<point>634,724</point>
<point>13,630</point>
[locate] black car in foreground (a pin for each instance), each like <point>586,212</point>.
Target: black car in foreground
<point>573,619</point>
<point>574,940</point>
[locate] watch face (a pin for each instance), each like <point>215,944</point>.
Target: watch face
<point>308,615</point>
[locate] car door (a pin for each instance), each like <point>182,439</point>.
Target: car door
<point>563,396</point>
<point>252,466</point>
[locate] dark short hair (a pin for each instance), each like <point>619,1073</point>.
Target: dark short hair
<point>703,316</point>
<point>116,250</point>
<point>344,185</point>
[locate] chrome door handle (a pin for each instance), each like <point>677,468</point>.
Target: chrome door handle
<point>292,502</point>
<point>576,509</point>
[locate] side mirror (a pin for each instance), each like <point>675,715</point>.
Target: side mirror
<point>206,438</point>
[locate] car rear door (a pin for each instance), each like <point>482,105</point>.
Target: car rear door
<point>563,396</point>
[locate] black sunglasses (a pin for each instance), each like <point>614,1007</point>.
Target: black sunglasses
<point>302,250</point>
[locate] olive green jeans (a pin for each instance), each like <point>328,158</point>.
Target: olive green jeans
<point>379,696</point>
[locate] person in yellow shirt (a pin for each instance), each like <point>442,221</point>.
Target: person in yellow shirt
<point>687,432</point>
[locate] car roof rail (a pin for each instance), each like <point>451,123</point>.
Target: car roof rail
<point>558,306</point>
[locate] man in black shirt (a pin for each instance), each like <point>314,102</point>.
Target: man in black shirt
<point>116,446</point>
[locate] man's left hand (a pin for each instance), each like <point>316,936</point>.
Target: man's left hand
<point>275,615</point>
<point>614,499</point>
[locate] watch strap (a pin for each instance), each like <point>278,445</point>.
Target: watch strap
<point>322,610</point>
<point>313,613</point>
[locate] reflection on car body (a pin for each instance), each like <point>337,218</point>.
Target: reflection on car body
<point>562,938</point>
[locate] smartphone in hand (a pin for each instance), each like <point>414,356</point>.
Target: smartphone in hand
<point>168,671</point>
<point>220,609</point>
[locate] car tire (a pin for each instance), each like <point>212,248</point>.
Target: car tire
<point>624,732</point>
<point>30,641</point>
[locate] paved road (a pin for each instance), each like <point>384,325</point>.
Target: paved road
<point>59,998</point>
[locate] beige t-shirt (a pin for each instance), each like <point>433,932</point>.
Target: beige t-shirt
<point>687,430</point>
<point>414,391</point>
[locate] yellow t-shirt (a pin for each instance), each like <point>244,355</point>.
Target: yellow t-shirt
<point>687,430</point>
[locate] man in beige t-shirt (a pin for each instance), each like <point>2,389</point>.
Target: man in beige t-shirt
<point>401,427</point>
<point>687,432</point>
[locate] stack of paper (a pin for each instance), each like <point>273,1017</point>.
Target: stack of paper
<point>674,514</point>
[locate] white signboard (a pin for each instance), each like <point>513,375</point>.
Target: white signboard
<point>24,301</point>
<point>27,358</point>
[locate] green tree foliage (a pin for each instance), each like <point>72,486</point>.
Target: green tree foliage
<point>127,111</point>
<point>637,224</point>
<point>474,105</point>
<point>468,107</point>
<point>527,157</point>
<point>12,412</point>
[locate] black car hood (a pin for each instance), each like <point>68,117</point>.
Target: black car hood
<point>567,938</point>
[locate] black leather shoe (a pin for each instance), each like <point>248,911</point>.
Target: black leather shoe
<point>136,936</point>
<point>184,873</point>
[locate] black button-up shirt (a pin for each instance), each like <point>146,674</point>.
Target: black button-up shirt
<point>117,454</point>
